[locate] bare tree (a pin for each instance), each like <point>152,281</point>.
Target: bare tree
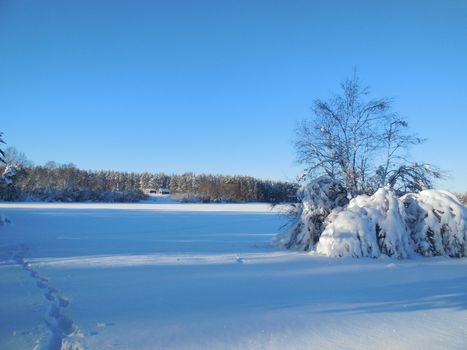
<point>361,143</point>
<point>14,157</point>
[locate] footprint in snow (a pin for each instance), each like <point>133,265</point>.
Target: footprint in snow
<point>63,302</point>
<point>239,260</point>
<point>41,284</point>
<point>49,296</point>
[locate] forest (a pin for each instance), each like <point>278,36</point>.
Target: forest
<point>66,183</point>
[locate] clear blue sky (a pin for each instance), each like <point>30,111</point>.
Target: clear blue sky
<point>217,86</point>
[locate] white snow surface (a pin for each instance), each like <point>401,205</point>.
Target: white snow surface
<point>166,205</point>
<point>200,276</point>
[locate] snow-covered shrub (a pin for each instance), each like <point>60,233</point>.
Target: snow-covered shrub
<point>317,199</point>
<point>430,223</point>
<point>368,227</point>
<point>437,223</point>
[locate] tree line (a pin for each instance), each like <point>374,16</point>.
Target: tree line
<point>56,182</point>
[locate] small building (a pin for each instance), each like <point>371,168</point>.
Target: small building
<point>164,191</point>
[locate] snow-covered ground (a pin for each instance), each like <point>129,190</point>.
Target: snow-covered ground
<point>201,276</point>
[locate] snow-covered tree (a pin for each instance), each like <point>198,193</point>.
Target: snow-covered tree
<point>7,176</point>
<point>430,223</point>
<point>2,153</point>
<point>355,149</point>
<point>361,143</point>
<point>67,183</point>
<point>317,199</point>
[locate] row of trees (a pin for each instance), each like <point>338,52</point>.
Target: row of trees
<point>56,182</point>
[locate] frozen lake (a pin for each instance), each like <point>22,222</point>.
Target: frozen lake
<point>146,276</point>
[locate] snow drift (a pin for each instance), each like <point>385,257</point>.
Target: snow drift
<point>430,223</point>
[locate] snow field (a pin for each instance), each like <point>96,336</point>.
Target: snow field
<point>140,278</point>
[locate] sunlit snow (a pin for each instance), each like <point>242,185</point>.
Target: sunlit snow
<point>200,276</point>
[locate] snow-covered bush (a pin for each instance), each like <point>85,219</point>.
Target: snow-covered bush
<point>437,222</point>
<point>430,223</point>
<point>317,199</point>
<point>367,227</point>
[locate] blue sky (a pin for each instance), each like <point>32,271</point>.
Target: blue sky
<point>217,86</point>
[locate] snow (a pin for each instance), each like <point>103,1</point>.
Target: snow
<point>438,222</point>
<point>368,226</point>
<point>186,276</point>
<point>4,221</point>
<point>430,223</point>
<point>318,198</point>
<point>6,178</point>
<point>166,205</point>
<point>159,199</point>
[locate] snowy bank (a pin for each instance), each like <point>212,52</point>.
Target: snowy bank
<point>429,223</point>
<point>179,207</point>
